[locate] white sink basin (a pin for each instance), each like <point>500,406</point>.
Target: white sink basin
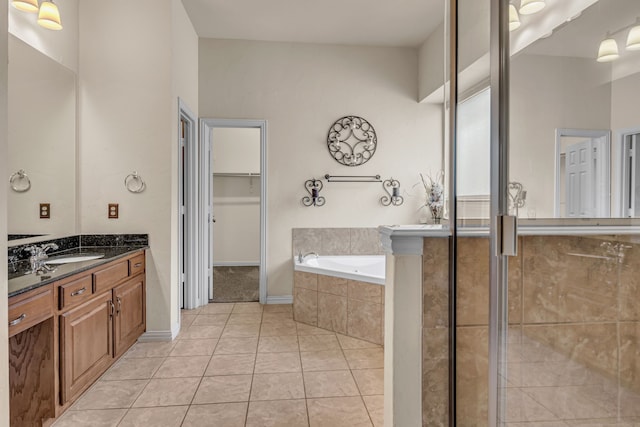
<point>72,258</point>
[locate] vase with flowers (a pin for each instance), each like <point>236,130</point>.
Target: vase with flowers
<point>434,195</point>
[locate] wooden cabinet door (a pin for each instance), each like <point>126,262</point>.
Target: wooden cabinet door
<point>86,345</point>
<point>130,318</point>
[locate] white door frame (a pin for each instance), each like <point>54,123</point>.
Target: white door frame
<point>206,126</point>
<point>623,183</point>
<point>603,174</point>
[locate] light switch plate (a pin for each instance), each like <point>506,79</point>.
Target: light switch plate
<point>113,210</point>
<point>45,210</point>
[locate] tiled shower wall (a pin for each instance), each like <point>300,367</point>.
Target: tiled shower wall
<point>337,241</point>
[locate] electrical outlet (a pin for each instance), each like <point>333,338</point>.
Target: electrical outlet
<point>45,210</point>
<point>113,210</point>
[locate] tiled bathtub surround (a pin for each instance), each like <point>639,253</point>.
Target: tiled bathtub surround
<point>349,307</point>
<point>337,241</point>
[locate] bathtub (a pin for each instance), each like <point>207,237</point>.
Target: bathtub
<point>363,268</point>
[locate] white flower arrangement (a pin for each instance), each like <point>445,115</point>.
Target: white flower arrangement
<point>434,194</point>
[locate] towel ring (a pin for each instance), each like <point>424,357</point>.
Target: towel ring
<point>20,182</point>
<point>134,183</point>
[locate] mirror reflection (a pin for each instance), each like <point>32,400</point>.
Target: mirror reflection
<point>42,144</point>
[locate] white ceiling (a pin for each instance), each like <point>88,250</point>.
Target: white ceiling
<point>354,22</point>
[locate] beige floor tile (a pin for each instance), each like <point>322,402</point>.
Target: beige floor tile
<point>187,319</point>
<point>150,349</point>
<point>323,361</point>
<point>231,364</point>
<point>196,332</point>
<point>338,412</point>
<point>182,367</point>
<point>370,381</point>
<point>94,418</point>
<point>241,331</point>
<point>273,363</point>
<point>247,307</point>
<point>278,413</point>
<point>375,407</point>
<point>245,318</point>
<point>350,343</point>
<point>366,358</point>
<point>278,308</point>
<point>237,345</point>
<point>204,347</point>
<point>110,395</point>
<point>223,389</point>
<point>192,311</point>
<point>217,308</point>
<point>279,344</point>
<point>168,392</point>
<point>211,319</point>
<point>277,387</point>
<point>275,329</point>
<point>224,414</point>
<point>312,330</point>
<point>278,315</point>
<point>161,416</point>
<point>330,384</point>
<point>133,369</point>
<point>318,343</point>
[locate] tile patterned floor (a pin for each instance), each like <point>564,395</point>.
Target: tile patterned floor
<point>240,364</point>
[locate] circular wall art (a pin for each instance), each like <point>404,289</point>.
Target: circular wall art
<point>352,141</point>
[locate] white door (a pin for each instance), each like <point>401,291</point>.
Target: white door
<point>632,177</point>
<point>580,179</point>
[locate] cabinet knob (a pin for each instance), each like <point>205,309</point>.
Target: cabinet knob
<point>19,319</point>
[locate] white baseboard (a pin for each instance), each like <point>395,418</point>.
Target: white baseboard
<point>287,299</point>
<point>159,336</point>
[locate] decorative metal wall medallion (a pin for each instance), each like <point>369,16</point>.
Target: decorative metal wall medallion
<point>352,141</point>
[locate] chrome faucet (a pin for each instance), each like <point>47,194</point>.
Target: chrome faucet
<point>39,256</point>
<point>302,257</point>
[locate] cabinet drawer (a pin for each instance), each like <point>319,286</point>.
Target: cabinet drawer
<point>105,279</point>
<point>29,310</point>
<point>136,265</point>
<point>75,292</point>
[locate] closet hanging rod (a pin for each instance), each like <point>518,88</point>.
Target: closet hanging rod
<point>352,178</point>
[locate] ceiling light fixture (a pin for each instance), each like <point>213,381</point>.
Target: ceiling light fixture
<point>26,5</point>
<point>608,50</point>
<point>529,7</point>
<point>514,19</point>
<point>49,16</point>
<point>633,39</point>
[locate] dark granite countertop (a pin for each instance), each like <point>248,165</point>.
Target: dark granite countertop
<point>19,282</point>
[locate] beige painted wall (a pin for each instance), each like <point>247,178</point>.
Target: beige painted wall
<point>62,46</point>
<point>4,331</point>
<point>301,89</point>
<point>129,121</point>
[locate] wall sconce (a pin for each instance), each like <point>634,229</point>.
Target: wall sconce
<point>393,197</point>
<point>313,187</point>
<point>352,141</point>
<point>48,13</point>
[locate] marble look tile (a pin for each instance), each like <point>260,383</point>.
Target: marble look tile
<point>167,392</point>
<point>366,358</point>
<point>630,355</point>
<point>306,240</point>
<point>364,321</point>
<point>350,343</point>
<point>312,330</point>
<point>273,363</point>
<point>277,329</point>
<point>365,241</point>
<point>278,308</point>
<point>435,389</point>
<point>602,422</point>
<point>332,285</point>
<point>305,306</point>
<point>110,395</point>
<point>241,330</point>
<point>223,389</point>
<point>323,360</point>
<point>304,280</point>
<point>588,343</point>
<point>278,344</point>
<point>338,412</point>
<point>473,365</point>
<point>364,291</point>
<point>375,407</point>
<point>181,367</point>
<point>515,286</point>
<point>211,319</point>
<point>150,349</point>
<point>277,386</point>
<point>370,381</point>
<point>133,369</point>
<point>244,318</point>
<point>332,312</point>
<point>236,345</point>
<point>435,343</point>
<point>329,384</point>
<point>335,241</point>
<point>168,416</point>
<point>94,418</point>
<point>318,343</point>
<point>247,307</point>
<point>473,281</point>
<point>521,407</point>
<point>224,414</point>
<point>575,402</point>
<point>231,364</point>
<point>629,309</point>
<point>278,413</point>
<point>435,282</point>
<point>539,424</point>
<point>203,347</point>
<point>217,308</point>
<point>195,332</point>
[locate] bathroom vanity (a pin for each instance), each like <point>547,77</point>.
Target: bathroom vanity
<point>67,326</point>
